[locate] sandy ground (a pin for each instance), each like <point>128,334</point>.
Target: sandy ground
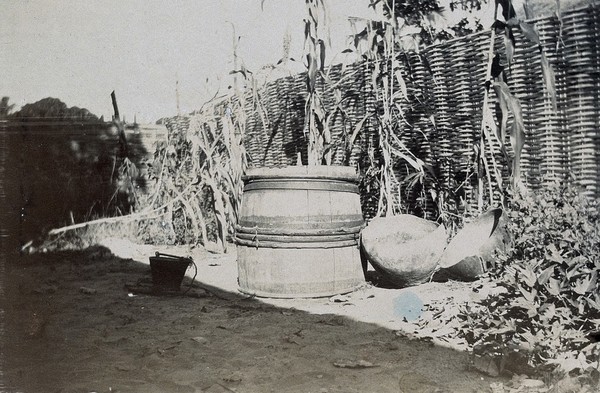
<point>74,326</point>
<point>394,309</point>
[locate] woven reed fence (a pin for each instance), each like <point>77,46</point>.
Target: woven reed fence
<point>442,113</point>
<point>275,116</point>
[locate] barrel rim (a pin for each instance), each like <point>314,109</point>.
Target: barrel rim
<point>333,172</point>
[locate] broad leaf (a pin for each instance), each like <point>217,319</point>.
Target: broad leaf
<point>545,275</point>
<point>401,83</point>
<point>509,44</point>
<point>508,11</point>
<point>529,32</point>
<point>553,287</point>
<point>517,136</point>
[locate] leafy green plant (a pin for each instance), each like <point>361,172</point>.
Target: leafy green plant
<point>550,309</point>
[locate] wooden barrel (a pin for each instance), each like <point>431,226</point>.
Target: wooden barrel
<point>298,232</point>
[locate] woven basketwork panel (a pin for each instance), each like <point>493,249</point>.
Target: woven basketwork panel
<point>274,122</point>
<point>582,74</point>
<point>442,113</point>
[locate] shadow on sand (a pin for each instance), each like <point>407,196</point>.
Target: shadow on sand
<point>72,325</point>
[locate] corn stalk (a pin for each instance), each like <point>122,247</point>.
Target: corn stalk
<point>198,173</point>
<point>316,128</point>
<point>508,103</point>
<point>389,88</point>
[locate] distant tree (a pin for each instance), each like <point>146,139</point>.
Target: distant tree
<point>81,113</point>
<point>45,108</point>
<point>54,109</point>
<point>5,107</point>
<point>420,14</point>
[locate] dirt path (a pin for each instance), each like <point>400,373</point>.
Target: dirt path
<point>71,326</point>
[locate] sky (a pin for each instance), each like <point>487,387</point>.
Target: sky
<point>80,51</point>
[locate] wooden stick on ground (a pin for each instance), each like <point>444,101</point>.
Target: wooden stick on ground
<point>130,217</point>
<point>143,215</point>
